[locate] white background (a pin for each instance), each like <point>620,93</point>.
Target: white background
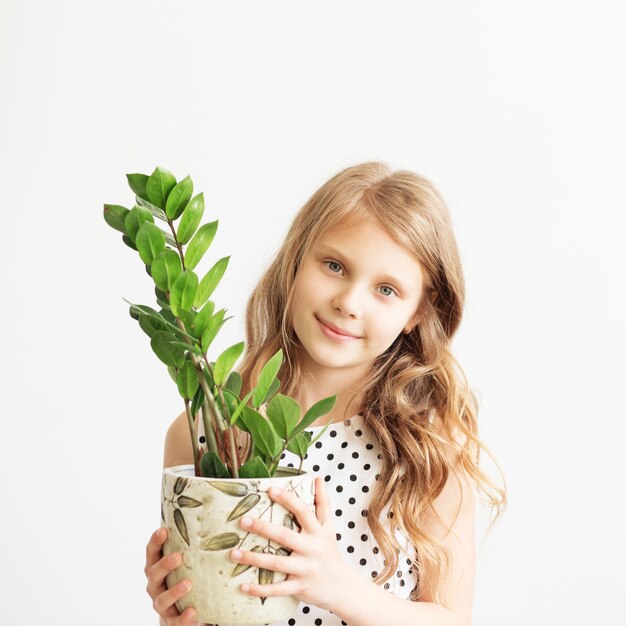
<point>514,110</point>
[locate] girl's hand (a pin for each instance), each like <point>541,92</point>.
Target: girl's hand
<point>316,572</point>
<point>163,599</point>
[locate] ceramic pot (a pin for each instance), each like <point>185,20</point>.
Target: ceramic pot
<point>202,517</point>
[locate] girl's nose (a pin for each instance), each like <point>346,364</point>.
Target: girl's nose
<point>349,301</point>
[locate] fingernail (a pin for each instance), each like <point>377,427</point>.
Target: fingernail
<point>185,585</point>
<point>246,521</point>
<point>174,559</point>
<point>236,554</point>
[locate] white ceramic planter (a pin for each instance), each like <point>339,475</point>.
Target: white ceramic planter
<point>202,517</point>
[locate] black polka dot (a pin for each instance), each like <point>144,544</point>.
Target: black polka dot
<point>352,477</point>
<point>408,561</point>
<point>402,583</point>
<point>318,444</point>
<point>291,622</point>
<point>369,446</point>
<point>306,456</point>
<point>326,478</point>
<point>306,609</point>
<point>364,513</point>
<point>351,524</point>
<point>374,574</point>
<point>350,549</point>
<point>289,464</point>
<point>338,536</point>
<point>386,585</point>
<point>379,456</point>
<point>358,433</point>
<point>390,515</point>
<point>202,439</point>
<point>330,457</point>
<point>377,477</point>
<point>283,455</point>
<point>364,537</point>
<point>333,433</point>
<point>316,468</point>
<point>344,444</point>
<point>318,621</point>
<point>344,623</point>
<point>352,500</point>
<point>375,550</point>
<point>338,512</point>
<point>340,466</point>
<point>355,455</point>
<point>366,466</point>
<point>365,488</point>
<point>363,562</point>
<point>339,488</point>
<point>399,574</point>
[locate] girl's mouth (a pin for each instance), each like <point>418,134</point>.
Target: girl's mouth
<point>331,334</point>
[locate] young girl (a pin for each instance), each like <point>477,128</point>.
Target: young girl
<point>364,298</point>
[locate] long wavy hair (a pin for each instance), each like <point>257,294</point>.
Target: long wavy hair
<point>415,379</point>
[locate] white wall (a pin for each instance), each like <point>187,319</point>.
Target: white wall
<point>516,112</point>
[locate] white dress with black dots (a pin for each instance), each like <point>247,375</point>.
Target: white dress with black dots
<point>347,457</point>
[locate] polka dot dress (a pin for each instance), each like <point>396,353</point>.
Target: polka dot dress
<point>347,456</point>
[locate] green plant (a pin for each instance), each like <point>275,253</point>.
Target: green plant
<point>186,324</point>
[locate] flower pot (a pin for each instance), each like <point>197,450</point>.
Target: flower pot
<point>202,516</point>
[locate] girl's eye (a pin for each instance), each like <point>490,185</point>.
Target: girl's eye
<point>332,263</point>
<point>392,290</point>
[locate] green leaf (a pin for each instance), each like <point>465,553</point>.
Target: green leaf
<point>284,413</point>
<point>160,213</point>
<point>234,382</point>
<point>178,198</point>
<point>166,347</point>
<point>254,468</point>
<point>159,186</point>
<point>197,401</point>
<point>190,219</point>
<point>187,380</point>
<point>137,182</point>
<point>135,219</point>
<point>211,466</point>
<point>183,291</point>
<point>210,281</point>
<point>274,387</point>
<point>200,244</point>
<point>317,410</point>
<point>129,242</point>
<point>202,320</point>
<point>217,321</point>
<point>150,240</point>
<point>298,445</point>
<point>166,268</point>
<point>137,309</point>
<point>151,325</point>
<point>239,409</point>
<point>225,361</point>
<point>266,377</point>
<point>172,372</point>
<point>114,216</point>
<point>262,431</point>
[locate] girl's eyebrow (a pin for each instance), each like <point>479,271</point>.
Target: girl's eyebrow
<point>386,277</point>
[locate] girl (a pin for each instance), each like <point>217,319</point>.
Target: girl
<point>364,298</point>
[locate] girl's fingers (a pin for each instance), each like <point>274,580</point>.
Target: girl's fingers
<point>276,532</point>
<point>285,588</point>
<point>306,518</point>
<point>158,572</point>
<point>322,502</point>
<point>273,562</point>
<point>164,603</point>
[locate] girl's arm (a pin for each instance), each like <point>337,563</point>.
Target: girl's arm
<point>364,603</point>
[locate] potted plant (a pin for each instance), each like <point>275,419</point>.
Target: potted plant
<point>202,503</point>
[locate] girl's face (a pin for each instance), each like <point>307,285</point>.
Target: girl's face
<point>360,281</point>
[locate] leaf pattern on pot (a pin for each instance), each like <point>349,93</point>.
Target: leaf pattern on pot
<point>266,577</point>
<point>186,502</point>
<point>283,551</point>
<point>162,516</point>
<point>244,506</point>
<point>288,520</point>
<point>179,485</point>
<point>242,567</point>
<point>179,520</point>
<point>222,542</point>
<point>232,489</point>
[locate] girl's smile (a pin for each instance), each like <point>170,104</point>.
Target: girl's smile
<point>332,331</point>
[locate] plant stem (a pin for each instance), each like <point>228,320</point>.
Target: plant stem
<point>194,439</point>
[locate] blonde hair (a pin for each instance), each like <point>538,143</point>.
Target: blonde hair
<point>415,378</point>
